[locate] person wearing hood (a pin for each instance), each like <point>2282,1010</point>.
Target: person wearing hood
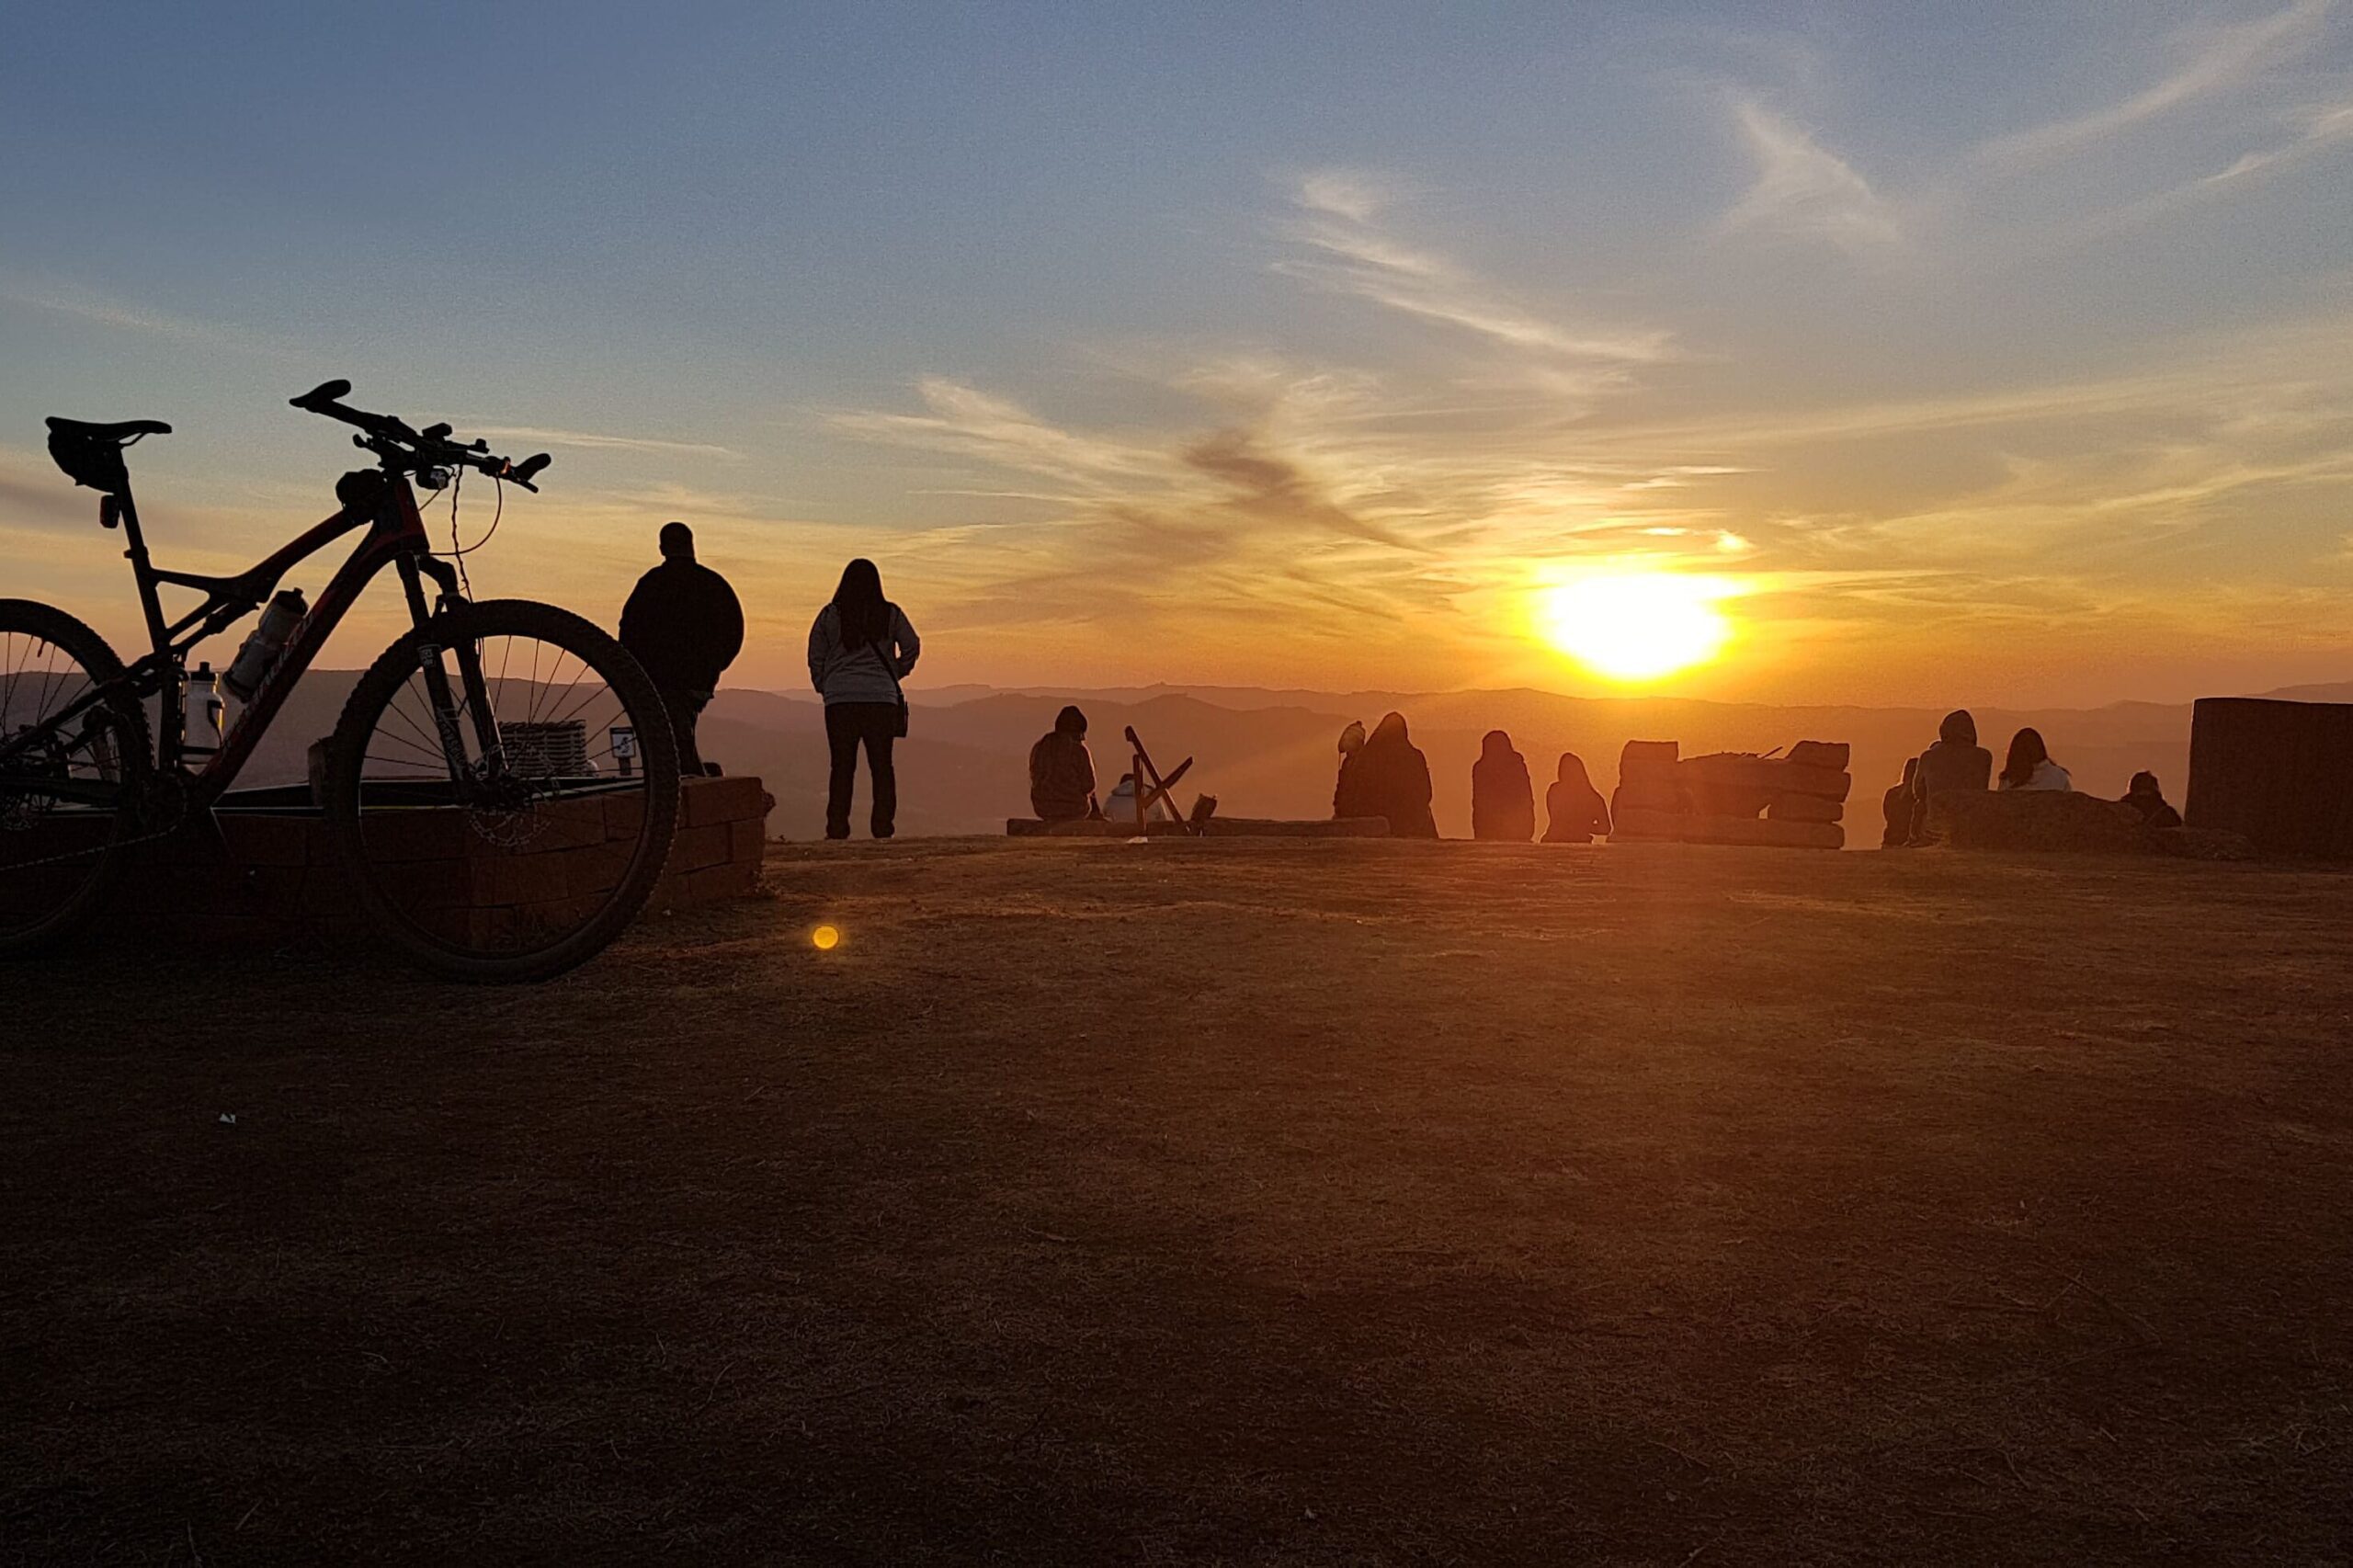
<point>1345,794</point>
<point>2144,797</point>
<point>1955,764</point>
<point>1391,779</point>
<point>686,626</point>
<point>2030,767</point>
<point>1062,771</point>
<point>1574,810</point>
<point>1503,802</point>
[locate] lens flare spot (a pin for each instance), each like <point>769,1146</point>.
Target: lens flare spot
<point>826,939</point>
<point>1636,626</point>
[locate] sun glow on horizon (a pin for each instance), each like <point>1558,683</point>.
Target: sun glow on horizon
<point>1633,627</point>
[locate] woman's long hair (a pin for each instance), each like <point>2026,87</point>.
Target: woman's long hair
<point>2027,753</point>
<point>863,612</point>
<point>1571,772</point>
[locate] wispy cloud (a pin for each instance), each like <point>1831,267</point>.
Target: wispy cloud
<point>590,441</point>
<point>1802,187</point>
<point>119,315</point>
<point>2226,58</point>
<point>2316,131</point>
<point>1349,254</point>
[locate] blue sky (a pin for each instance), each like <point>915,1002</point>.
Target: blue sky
<point>1984,352</point>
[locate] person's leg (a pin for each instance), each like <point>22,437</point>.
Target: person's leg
<point>682,709</point>
<point>880,736</point>
<point>841,740</point>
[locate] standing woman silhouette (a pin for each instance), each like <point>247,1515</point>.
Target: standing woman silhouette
<point>860,647</point>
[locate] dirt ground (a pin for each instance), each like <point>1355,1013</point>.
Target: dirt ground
<point>1249,1201</point>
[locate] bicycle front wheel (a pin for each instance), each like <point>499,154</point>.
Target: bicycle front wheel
<point>502,789</point>
<point>73,769</point>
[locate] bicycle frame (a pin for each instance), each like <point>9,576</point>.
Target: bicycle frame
<point>395,536</point>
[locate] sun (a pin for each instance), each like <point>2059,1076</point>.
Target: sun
<point>1636,626</point>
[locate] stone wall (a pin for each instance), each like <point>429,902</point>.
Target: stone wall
<point>272,875</point>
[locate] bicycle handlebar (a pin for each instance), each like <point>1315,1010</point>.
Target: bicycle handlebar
<point>406,448</point>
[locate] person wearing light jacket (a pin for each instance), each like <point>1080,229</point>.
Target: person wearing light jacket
<point>2030,766</point>
<point>860,647</point>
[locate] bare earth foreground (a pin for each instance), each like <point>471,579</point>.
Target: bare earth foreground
<point>1247,1202</point>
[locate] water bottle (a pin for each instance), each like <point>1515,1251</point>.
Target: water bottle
<point>259,652</point>
<point>201,710</point>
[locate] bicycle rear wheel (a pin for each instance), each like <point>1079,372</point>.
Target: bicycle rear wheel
<point>73,770</point>
<point>546,836</point>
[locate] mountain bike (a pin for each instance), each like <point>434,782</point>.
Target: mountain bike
<point>501,789</point>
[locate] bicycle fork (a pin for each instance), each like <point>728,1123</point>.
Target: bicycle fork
<point>447,705</point>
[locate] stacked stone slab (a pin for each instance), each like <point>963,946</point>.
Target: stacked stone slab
<point>1794,802</point>
<point>280,878</point>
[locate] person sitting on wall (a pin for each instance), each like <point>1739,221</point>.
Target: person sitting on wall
<point>685,625</point>
<point>1345,801</point>
<point>1896,805</point>
<point>1574,810</point>
<point>1120,805</point>
<point>2144,797</point>
<point>1393,780</point>
<point>1062,771</point>
<point>1503,802</point>
<point>2030,767</point>
<point>1956,763</point>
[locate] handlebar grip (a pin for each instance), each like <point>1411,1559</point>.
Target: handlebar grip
<point>325,391</point>
<point>522,471</point>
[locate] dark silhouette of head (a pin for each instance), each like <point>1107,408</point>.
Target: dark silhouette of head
<point>1910,767</point>
<point>1072,722</point>
<point>2144,783</point>
<point>1390,731</point>
<point>1959,729</point>
<point>2027,753</point>
<point>1496,747</point>
<point>678,542</point>
<point>1571,770</point>
<point>864,613</point>
<point>1352,738</point>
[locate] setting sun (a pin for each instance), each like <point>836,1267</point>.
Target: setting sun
<point>1636,626</point>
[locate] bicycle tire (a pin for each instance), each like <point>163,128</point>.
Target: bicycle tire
<point>38,932</point>
<point>432,946</point>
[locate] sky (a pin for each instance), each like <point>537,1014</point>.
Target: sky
<point>1995,353</point>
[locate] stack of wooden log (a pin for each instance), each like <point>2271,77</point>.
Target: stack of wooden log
<point>1795,802</point>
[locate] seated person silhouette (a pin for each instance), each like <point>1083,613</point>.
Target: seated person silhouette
<point>1062,771</point>
<point>684,624</point>
<point>1344,800</point>
<point>2030,767</point>
<point>1391,779</point>
<point>1955,763</point>
<point>1503,802</point>
<point>1574,810</point>
<point>2144,797</point>
<point>1896,806</point>
<point>1120,805</point>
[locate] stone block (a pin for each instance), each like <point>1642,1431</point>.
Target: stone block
<point>1804,808</point>
<point>2037,820</point>
<point>2280,773</point>
<point>703,802</point>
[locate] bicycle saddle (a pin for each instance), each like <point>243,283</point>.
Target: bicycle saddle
<point>92,454</point>
<point>126,430</point>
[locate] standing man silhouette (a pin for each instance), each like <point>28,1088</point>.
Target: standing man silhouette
<point>684,624</point>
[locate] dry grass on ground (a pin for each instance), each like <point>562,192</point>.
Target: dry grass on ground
<point>1248,1201</point>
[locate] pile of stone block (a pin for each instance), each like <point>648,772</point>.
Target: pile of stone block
<point>1796,801</point>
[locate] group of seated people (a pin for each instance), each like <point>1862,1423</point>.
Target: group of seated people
<point>1382,774</point>
<point>1385,774</point>
<point>1956,763</point>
